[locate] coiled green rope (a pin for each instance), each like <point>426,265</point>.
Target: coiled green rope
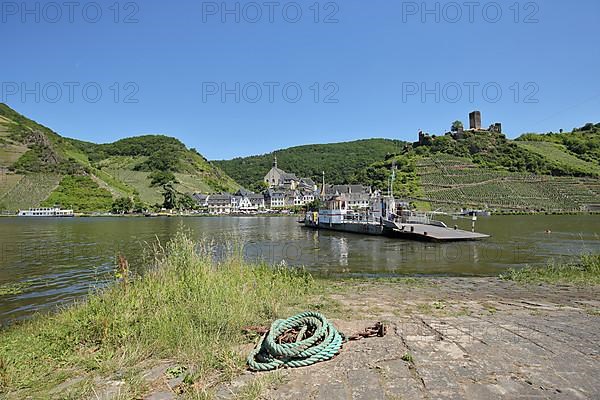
<point>323,345</point>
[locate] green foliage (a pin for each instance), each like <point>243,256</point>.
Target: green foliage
<point>407,182</point>
<point>583,142</point>
<point>124,166</point>
<point>36,160</point>
<point>185,308</point>
<point>122,205</point>
<point>583,272</point>
<point>23,125</point>
<point>493,150</point>
<point>170,197</point>
<point>31,161</point>
<point>160,178</point>
<point>561,158</point>
<point>81,194</point>
<point>158,152</point>
<point>456,125</point>
<point>314,205</point>
<point>340,161</point>
<point>186,202</point>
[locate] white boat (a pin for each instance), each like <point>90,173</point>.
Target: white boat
<point>383,219</point>
<point>46,212</point>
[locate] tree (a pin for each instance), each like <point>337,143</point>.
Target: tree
<point>314,205</point>
<point>456,125</point>
<point>122,205</point>
<point>170,196</point>
<point>186,202</point>
<point>161,178</point>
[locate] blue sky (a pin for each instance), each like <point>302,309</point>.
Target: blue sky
<point>365,69</point>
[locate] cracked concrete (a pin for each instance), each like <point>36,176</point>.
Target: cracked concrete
<point>456,338</point>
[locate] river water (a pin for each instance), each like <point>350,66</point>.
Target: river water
<point>57,260</point>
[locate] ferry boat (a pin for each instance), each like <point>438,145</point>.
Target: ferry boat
<point>384,218</point>
<point>46,212</point>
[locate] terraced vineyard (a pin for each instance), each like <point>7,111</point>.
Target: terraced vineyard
<point>29,191</point>
<point>139,181</point>
<point>451,183</point>
<point>558,154</point>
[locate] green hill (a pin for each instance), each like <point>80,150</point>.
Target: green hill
<point>556,172</point>
<point>450,182</point>
<point>583,143</point>
<point>40,167</point>
<point>340,161</point>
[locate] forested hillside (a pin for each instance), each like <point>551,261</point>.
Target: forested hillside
<point>91,177</point>
<point>340,161</point>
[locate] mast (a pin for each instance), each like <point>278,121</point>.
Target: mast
<point>392,179</point>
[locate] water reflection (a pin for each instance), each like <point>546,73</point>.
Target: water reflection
<point>61,259</point>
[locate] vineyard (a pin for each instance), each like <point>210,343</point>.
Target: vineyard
<point>558,154</point>
<point>29,191</point>
<point>452,183</point>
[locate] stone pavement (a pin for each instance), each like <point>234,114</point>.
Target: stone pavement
<point>454,338</point>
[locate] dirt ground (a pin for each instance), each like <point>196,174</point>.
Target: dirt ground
<point>453,338</point>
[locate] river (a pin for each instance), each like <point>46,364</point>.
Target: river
<point>54,261</point>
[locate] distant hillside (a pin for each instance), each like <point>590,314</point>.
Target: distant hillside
<point>340,161</point>
<point>553,172</point>
<point>583,143</point>
<point>40,167</point>
<point>452,182</point>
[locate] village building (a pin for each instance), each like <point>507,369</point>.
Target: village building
<point>243,201</point>
<point>201,200</point>
<point>257,202</point>
<point>355,196</point>
<point>287,190</point>
<point>275,199</point>
<point>221,203</point>
<point>277,178</point>
<point>248,201</point>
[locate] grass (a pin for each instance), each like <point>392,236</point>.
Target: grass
<point>186,308</point>
<point>584,272</point>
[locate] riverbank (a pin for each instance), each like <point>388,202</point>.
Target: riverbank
<point>291,214</point>
<point>165,215</point>
<point>179,331</point>
<point>185,308</point>
<point>455,338</point>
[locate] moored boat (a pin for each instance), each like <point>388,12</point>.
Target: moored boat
<point>46,212</point>
<point>383,218</point>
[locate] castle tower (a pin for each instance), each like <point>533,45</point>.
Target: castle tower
<point>475,120</point>
<point>275,162</point>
